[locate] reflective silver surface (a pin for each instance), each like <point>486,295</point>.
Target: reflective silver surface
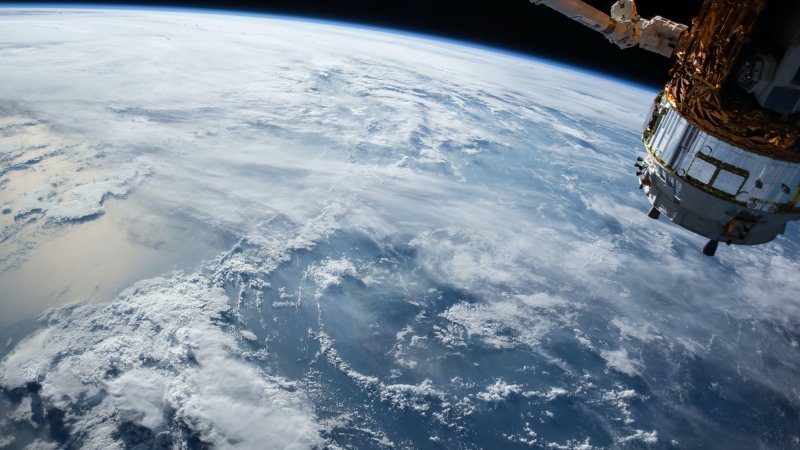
<point>715,189</point>
<point>722,169</point>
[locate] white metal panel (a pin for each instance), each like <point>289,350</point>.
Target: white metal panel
<point>702,171</point>
<point>728,182</point>
<point>771,174</point>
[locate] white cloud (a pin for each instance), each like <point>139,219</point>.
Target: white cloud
<point>138,396</point>
<point>414,396</point>
<point>621,361</point>
<point>155,349</point>
<point>87,199</point>
<point>499,391</point>
<point>6,441</point>
<point>643,332</point>
<point>329,273</point>
<point>40,445</point>
<point>248,335</point>
<point>646,437</point>
<point>548,395</point>
<point>508,322</point>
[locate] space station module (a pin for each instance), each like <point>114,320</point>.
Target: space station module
<point>722,139</point>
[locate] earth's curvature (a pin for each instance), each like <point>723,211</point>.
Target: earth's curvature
<point>251,232</point>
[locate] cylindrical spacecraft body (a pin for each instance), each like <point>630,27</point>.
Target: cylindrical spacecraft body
<point>722,138</point>
<point>714,188</point>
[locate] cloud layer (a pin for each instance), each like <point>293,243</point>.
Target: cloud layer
<point>420,244</point>
<point>158,357</point>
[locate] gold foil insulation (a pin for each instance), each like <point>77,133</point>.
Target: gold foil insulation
<point>705,57</point>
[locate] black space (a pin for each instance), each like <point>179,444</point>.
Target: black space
<point>515,25</point>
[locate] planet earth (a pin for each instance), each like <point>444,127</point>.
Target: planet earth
<point>231,231</point>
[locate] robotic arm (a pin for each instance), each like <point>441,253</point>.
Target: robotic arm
<point>624,27</point>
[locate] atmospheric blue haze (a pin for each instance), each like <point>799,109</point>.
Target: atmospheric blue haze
<point>250,232</point>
